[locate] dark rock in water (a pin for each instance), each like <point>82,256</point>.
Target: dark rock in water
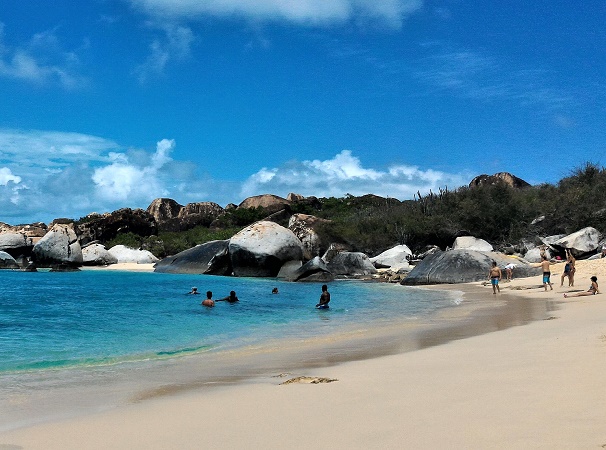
<point>7,261</point>
<point>210,258</point>
<point>351,264</point>
<point>313,270</point>
<point>31,267</point>
<point>463,266</point>
<point>64,268</point>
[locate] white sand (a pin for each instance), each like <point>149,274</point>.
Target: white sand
<point>535,386</point>
<point>133,267</point>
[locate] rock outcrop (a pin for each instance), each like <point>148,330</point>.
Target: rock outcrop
<point>261,249</point>
<point>579,243</point>
<point>351,264</point>
<point>211,258</point>
<point>7,261</point>
<point>304,227</point>
<point>271,203</point>
<point>471,243</point>
<point>105,227</point>
<point>131,255</point>
<point>313,270</point>
<point>499,178</point>
<point>164,209</point>
<point>59,245</point>
<point>16,243</point>
<point>395,258</point>
<point>462,266</point>
<point>97,255</point>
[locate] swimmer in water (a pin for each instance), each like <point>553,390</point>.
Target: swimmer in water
<point>324,298</point>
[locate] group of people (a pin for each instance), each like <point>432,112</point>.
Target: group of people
<point>495,274</point>
<point>208,301</point>
<point>232,298</point>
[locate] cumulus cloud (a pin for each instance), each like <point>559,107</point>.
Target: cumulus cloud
<point>307,12</point>
<point>41,60</point>
<point>345,174</point>
<point>121,180</point>
<point>45,175</point>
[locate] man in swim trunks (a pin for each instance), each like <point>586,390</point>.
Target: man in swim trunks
<point>209,300</point>
<point>324,298</point>
<point>546,273</point>
<point>495,275</point>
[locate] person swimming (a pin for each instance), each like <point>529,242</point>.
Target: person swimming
<point>231,298</point>
<point>209,300</point>
<point>194,291</point>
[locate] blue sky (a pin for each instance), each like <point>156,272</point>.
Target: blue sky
<point>112,103</point>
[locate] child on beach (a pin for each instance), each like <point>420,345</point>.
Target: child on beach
<point>593,289</point>
<point>546,273</point>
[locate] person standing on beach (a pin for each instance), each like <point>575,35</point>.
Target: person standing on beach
<point>495,275</point>
<point>324,298</point>
<point>569,269</point>
<point>546,273</point>
<point>593,289</point>
<point>209,300</point>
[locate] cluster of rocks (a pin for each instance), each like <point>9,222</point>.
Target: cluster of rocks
<point>61,246</point>
<point>267,249</point>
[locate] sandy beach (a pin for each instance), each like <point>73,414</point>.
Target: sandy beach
<point>540,385</point>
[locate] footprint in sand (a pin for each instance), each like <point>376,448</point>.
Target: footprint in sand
<point>309,380</point>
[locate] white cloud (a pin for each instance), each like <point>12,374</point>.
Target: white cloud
<point>174,43</point>
<point>45,175</point>
<point>345,174</point>
<point>122,181</point>
<point>308,12</point>
<point>40,61</point>
<point>6,175</point>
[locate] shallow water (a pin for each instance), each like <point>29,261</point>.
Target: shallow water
<point>99,318</point>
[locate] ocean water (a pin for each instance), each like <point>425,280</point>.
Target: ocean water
<point>55,321</point>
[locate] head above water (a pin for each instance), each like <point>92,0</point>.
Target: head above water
<point>209,294</point>
<point>324,287</point>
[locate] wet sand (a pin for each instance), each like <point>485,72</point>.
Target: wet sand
<point>477,380</point>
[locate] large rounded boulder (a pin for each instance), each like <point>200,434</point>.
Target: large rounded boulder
<point>471,243</point>
<point>463,266</point>
<point>16,243</point>
<point>313,270</point>
<point>97,255</point>
<point>581,242</point>
<point>261,249</point>
<point>7,261</point>
<point>59,245</point>
<point>210,258</point>
<point>271,203</point>
<point>126,254</point>
<point>395,258</point>
<point>351,264</point>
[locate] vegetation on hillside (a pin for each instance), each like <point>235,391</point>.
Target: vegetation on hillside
<point>497,213</point>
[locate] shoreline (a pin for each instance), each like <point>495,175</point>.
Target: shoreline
<point>459,370</point>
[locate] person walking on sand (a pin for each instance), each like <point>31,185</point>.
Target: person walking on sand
<point>593,289</point>
<point>546,273</point>
<point>209,300</point>
<point>495,275</point>
<point>324,298</point>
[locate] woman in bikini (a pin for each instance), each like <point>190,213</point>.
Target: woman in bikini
<point>593,289</point>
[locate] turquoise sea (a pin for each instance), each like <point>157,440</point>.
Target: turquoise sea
<point>101,318</point>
